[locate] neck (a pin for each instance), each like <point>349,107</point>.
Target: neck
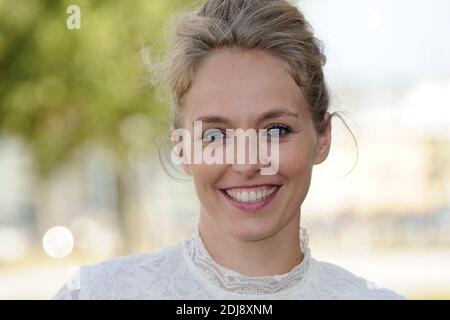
<point>273,255</point>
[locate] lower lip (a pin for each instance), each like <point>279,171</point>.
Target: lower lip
<point>251,206</point>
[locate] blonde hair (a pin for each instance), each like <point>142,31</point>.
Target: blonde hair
<point>272,25</point>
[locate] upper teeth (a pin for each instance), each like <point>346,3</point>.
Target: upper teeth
<point>250,196</point>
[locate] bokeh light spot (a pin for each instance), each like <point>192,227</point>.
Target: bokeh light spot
<point>58,242</point>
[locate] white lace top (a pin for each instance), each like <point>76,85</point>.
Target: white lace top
<point>185,270</point>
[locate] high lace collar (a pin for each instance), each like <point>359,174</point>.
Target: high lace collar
<point>235,282</point>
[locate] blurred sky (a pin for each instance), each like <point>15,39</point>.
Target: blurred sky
<point>395,53</point>
<point>382,42</point>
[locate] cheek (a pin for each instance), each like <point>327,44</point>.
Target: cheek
<point>206,177</point>
<point>296,162</point>
<point>296,167</point>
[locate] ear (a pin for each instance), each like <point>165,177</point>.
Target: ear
<point>178,147</point>
<point>322,148</point>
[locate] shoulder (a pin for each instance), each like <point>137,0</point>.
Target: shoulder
<point>334,282</point>
<point>130,264</point>
<point>129,277</point>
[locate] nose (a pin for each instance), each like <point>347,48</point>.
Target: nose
<point>247,163</point>
<point>247,170</point>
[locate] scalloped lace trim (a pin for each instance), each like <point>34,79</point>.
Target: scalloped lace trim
<point>235,282</point>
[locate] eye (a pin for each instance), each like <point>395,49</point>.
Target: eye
<point>278,130</point>
<point>213,135</point>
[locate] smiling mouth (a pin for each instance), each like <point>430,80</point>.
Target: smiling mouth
<point>251,198</point>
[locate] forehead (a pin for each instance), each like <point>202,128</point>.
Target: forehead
<point>242,82</point>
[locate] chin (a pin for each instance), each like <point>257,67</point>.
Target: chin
<point>251,230</point>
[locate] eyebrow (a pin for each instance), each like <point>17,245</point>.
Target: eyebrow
<point>272,114</point>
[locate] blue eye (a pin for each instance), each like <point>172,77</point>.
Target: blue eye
<point>278,130</point>
<point>213,135</point>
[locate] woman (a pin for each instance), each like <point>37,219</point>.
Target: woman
<point>248,64</point>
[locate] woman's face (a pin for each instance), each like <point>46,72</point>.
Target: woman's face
<point>234,89</point>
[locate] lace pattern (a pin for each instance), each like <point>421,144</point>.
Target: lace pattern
<point>185,270</point>
<point>235,282</point>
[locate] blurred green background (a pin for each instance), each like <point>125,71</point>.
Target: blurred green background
<point>63,90</point>
<point>80,127</point>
